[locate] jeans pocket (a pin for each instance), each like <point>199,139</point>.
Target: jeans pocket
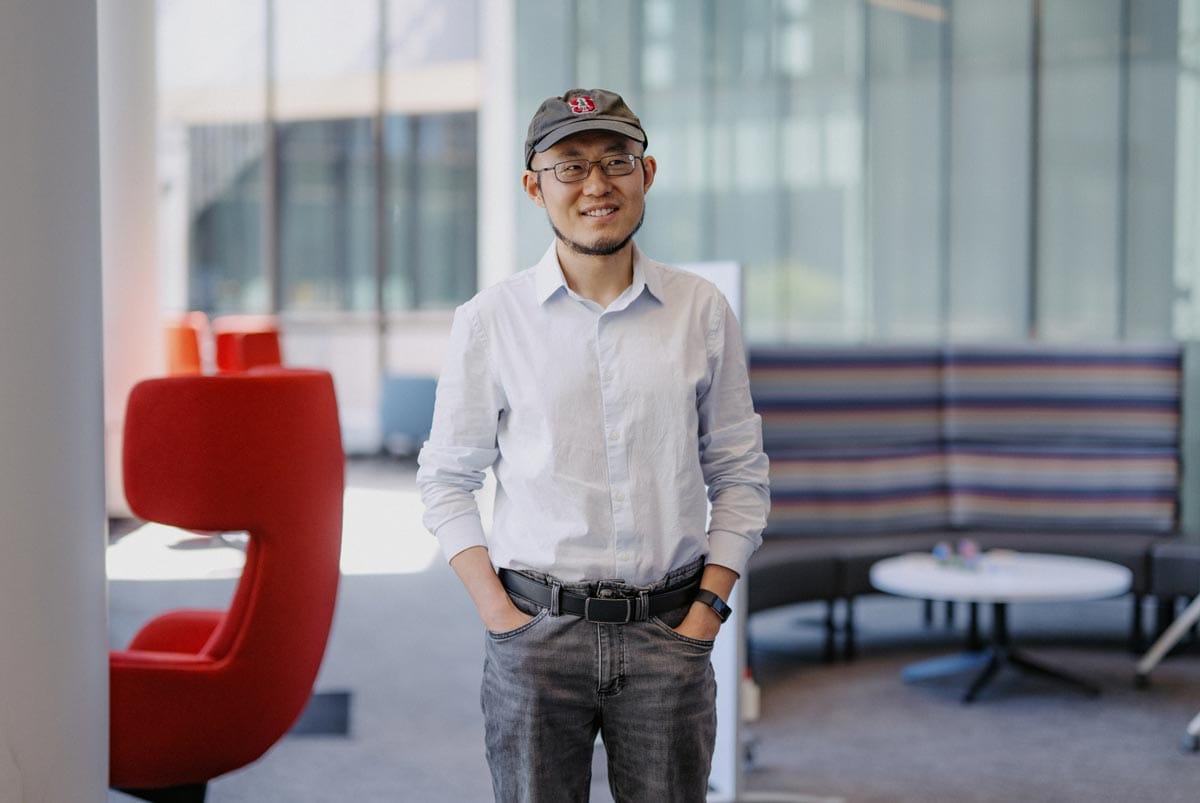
<point>511,634</point>
<point>703,644</point>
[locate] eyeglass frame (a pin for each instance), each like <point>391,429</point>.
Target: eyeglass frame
<point>591,165</point>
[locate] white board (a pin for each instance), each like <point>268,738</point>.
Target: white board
<point>728,658</point>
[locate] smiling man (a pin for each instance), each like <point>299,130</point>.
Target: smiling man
<point>608,392</point>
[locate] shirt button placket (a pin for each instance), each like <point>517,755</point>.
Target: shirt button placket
<point>617,453</point>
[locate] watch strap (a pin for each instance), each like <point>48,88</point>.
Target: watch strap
<point>720,606</point>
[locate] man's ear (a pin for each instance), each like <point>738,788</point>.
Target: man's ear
<point>649,168</point>
<point>529,180</point>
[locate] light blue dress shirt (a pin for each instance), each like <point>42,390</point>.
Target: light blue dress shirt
<point>609,430</point>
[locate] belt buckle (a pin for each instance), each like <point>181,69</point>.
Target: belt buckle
<point>608,611</point>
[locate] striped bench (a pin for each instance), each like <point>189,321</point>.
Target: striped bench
<point>877,451</point>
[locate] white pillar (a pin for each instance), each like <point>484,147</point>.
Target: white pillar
<point>54,662</point>
<point>499,182</point>
<point>133,340</point>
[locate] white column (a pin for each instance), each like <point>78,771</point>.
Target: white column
<point>499,183</point>
<point>54,663</point>
<point>133,341</point>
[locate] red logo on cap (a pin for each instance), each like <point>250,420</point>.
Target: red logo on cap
<point>582,104</point>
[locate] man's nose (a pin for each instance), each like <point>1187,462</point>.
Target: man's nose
<point>596,183</point>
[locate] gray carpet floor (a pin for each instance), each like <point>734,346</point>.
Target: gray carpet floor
<point>408,647</point>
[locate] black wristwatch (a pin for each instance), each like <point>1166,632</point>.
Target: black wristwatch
<point>706,597</point>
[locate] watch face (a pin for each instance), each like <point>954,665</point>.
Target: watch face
<point>716,603</point>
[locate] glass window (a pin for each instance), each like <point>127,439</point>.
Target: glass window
<point>326,93</point>
<point>1079,162</point>
<point>225,203</point>
<point>326,59</point>
<point>211,66</point>
<point>423,32</point>
<point>905,172</point>
<point>908,169</point>
<point>814,285</point>
<point>1187,183</point>
<point>989,158</point>
<point>675,105</point>
<point>327,215</point>
<point>431,225</point>
<point>1160,45</point>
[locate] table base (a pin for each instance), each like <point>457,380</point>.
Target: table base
<point>987,662</point>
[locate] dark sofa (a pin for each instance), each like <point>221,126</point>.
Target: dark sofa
<point>880,450</point>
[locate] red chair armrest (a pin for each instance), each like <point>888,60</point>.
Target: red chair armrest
<point>184,631</point>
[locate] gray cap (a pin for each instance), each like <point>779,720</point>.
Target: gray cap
<point>580,110</point>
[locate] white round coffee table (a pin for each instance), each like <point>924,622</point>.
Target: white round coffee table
<point>998,577</point>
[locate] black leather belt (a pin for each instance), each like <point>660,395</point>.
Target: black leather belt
<point>603,610</point>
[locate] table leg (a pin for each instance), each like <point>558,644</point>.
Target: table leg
<point>974,642</point>
<point>984,677</point>
<point>1034,667</point>
<point>997,651</point>
<point>946,665</point>
<point>988,662</point>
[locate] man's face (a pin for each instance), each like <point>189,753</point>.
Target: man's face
<point>599,215</point>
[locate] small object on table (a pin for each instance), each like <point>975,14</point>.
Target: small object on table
<point>968,553</point>
<point>943,552</point>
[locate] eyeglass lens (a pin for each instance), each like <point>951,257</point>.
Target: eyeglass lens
<point>578,169</point>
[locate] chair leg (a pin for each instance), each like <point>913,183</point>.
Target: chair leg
<point>830,650</point>
<point>848,647</point>
<point>1137,631</point>
<point>185,793</point>
<point>1165,614</point>
<point>1167,641</point>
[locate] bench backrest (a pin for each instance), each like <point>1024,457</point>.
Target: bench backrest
<point>886,439</point>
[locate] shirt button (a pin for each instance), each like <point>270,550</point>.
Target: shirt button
<point>613,436</point>
<point>608,375</point>
<point>618,496</point>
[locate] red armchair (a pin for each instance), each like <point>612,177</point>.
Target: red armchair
<point>183,334</point>
<point>200,693</point>
<point>246,341</point>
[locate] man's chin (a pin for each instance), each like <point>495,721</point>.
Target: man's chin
<point>604,247</point>
<point>601,248</point>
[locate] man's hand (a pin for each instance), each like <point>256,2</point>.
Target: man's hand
<point>496,609</point>
<point>701,623</point>
<point>505,618</point>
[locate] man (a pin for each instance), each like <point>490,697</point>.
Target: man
<point>607,392</point>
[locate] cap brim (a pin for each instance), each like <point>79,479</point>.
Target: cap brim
<point>559,134</point>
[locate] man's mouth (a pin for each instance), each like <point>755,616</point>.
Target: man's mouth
<point>602,211</point>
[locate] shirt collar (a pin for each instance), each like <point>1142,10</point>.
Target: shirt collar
<point>549,275</point>
<point>646,273</point>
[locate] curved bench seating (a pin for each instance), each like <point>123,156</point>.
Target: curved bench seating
<point>877,451</point>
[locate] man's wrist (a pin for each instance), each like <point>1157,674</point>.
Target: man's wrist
<point>711,600</point>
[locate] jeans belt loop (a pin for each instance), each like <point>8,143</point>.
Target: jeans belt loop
<point>555,597</point>
<point>643,611</point>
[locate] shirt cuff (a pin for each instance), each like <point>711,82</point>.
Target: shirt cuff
<point>730,550</point>
<point>461,532</point>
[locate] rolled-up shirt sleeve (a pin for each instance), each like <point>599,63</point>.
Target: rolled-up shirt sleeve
<point>731,451</point>
<point>462,441</point>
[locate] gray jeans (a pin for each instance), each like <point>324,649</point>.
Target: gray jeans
<point>550,685</point>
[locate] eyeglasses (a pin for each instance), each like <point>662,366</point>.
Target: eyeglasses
<point>573,170</point>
